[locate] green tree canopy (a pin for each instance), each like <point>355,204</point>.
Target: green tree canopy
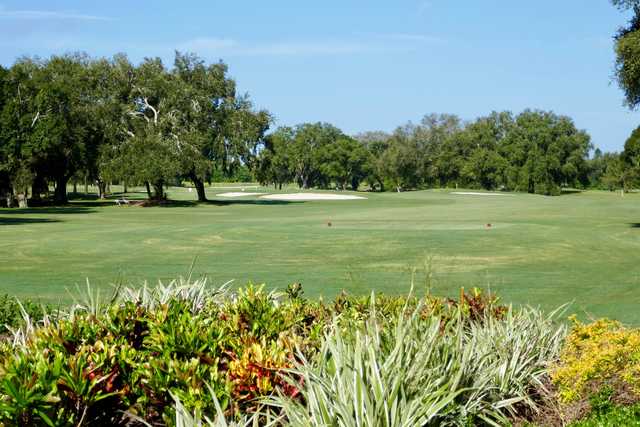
<point>183,122</point>
<point>627,49</point>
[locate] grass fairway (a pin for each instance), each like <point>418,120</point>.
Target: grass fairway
<point>539,250</point>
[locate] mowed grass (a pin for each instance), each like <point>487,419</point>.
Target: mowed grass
<point>582,248</point>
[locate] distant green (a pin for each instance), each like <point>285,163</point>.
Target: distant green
<point>581,248</point>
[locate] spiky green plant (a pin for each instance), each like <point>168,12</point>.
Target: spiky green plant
<point>423,371</point>
<point>511,357</point>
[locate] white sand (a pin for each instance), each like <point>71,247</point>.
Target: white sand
<point>311,196</point>
<point>238,194</point>
<point>468,193</point>
<point>239,187</point>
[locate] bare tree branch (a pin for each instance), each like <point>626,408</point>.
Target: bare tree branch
<point>35,119</point>
<point>155,112</point>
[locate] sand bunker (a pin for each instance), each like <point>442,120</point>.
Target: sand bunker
<point>238,194</point>
<point>237,187</point>
<point>469,193</point>
<point>311,196</point>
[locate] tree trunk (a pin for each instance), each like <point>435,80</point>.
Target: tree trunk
<point>22,200</point>
<point>38,186</point>
<point>60,194</point>
<point>75,187</point>
<point>158,190</point>
<point>146,184</point>
<point>10,199</point>
<point>124,187</point>
<point>202,196</point>
<point>35,192</point>
<point>86,186</point>
<point>102,189</point>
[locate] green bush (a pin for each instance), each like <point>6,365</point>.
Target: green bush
<point>615,416</point>
<point>184,353</point>
<point>12,315</point>
<point>99,363</point>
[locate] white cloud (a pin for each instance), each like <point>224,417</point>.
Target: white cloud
<point>234,47</point>
<point>310,48</point>
<point>373,43</point>
<point>412,38</point>
<point>48,15</point>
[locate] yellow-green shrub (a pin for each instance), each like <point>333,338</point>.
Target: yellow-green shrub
<point>602,353</point>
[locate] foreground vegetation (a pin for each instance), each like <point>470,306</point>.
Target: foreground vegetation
<point>152,354</point>
<point>187,354</point>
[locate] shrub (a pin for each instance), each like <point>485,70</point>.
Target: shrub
<point>185,354</point>
<point>628,416</point>
<point>11,312</point>
<point>424,371</point>
<point>601,354</point>
<point>99,362</point>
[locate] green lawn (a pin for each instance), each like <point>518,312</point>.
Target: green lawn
<point>540,250</point>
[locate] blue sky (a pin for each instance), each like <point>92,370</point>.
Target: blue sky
<point>362,65</point>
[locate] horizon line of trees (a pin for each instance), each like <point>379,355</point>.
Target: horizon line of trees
<point>73,118</point>
<point>534,151</point>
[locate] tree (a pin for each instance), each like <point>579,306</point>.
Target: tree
<point>630,158</point>
<point>344,162</point>
<point>313,155</point>
<point>62,119</point>
<point>626,4</point>
<point>202,95</point>
<point>616,174</point>
<point>150,153</point>
<point>376,143</point>
<point>627,49</point>
<point>274,165</point>
<point>243,132</point>
<point>545,152</point>
<point>303,147</point>
<point>112,87</point>
<point>184,122</point>
<point>434,135</point>
<point>401,163</point>
<point>485,166</point>
<point>17,122</point>
<point>5,183</point>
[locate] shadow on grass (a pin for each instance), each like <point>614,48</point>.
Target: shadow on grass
<point>82,196</point>
<point>168,203</point>
<point>568,191</point>
<point>92,204</point>
<point>85,205</point>
<point>111,196</point>
<point>191,203</point>
<point>635,225</point>
<point>21,221</point>
<point>57,210</point>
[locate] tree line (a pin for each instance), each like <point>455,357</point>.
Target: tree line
<point>534,151</point>
<point>73,118</point>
